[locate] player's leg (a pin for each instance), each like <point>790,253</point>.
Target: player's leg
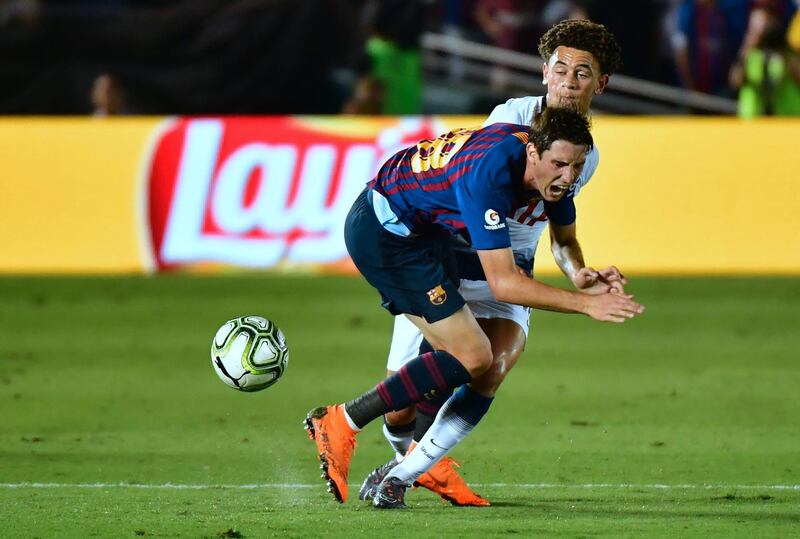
<point>398,428</point>
<point>508,340</point>
<point>334,427</point>
<point>411,276</point>
<point>463,353</point>
<point>402,428</point>
<point>427,464</point>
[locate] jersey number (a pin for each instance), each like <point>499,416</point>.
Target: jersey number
<point>433,154</point>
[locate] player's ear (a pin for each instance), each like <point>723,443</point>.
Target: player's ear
<point>601,86</point>
<point>545,73</point>
<point>530,150</point>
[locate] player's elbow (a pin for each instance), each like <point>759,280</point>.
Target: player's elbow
<point>502,289</point>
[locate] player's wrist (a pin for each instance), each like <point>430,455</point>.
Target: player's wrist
<point>576,277</point>
<point>580,303</point>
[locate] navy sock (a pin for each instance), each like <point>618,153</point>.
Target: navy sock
<point>426,413</point>
<point>425,347</point>
<point>469,405</point>
<point>422,378</point>
<point>400,429</point>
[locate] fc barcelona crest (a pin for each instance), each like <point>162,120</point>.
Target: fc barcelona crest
<point>437,295</point>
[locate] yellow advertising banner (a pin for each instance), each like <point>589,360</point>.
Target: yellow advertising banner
<point>693,195</point>
<point>71,194</point>
<point>131,195</point>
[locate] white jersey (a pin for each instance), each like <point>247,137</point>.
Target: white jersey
<point>525,226</point>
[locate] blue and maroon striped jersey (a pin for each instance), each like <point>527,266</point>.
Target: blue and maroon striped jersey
<point>466,179</point>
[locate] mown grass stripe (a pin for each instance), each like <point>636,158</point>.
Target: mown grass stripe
<point>610,486</point>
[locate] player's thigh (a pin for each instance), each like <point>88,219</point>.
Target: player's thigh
<point>505,324</point>
<point>460,335</point>
<point>507,339</point>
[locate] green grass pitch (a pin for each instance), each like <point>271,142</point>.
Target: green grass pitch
<point>683,423</point>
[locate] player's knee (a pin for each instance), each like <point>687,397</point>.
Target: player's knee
<point>477,360</point>
<point>400,417</point>
<point>488,383</point>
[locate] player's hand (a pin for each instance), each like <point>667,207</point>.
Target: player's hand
<point>613,307</point>
<point>597,287</point>
<point>591,281</point>
<point>585,278</point>
<point>614,278</point>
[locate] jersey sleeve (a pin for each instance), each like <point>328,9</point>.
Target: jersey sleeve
<point>484,197</point>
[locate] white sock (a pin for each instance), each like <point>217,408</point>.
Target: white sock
<point>398,441</point>
<point>444,434</point>
<point>350,422</point>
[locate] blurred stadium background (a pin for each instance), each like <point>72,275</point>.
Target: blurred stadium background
<point>85,140</point>
<point>163,160</point>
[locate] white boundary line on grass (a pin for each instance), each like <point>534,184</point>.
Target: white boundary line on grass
<point>617,486</point>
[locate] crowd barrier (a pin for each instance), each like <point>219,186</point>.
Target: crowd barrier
<point>136,195</point>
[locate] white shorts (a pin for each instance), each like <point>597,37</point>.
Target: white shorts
<point>406,338</point>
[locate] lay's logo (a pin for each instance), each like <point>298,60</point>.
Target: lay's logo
<point>257,191</point>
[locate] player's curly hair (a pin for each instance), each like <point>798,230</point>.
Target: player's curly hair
<point>559,123</point>
<point>587,36</point>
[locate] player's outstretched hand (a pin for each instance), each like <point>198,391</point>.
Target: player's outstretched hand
<point>613,307</point>
<point>591,281</point>
<point>614,278</point>
<point>585,280</point>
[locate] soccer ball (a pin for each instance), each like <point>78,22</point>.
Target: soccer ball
<point>249,353</point>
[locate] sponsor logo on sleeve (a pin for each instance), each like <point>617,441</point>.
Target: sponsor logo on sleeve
<point>493,221</point>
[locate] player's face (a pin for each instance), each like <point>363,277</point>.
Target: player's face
<point>573,78</point>
<point>554,172</point>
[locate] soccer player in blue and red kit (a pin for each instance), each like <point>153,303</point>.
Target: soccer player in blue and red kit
<point>398,235</point>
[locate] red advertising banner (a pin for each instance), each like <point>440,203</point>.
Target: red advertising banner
<point>258,191</point>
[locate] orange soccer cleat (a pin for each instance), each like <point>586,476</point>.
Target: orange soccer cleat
<point>335,441</point>
<point>443,479</point>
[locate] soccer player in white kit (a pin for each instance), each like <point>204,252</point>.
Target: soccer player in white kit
<point>580,56</point>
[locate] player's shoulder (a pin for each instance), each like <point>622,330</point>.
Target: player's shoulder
<point>503,139</point>
<point>502,129</point>
<point>497,155</point>
<point>517,110</point>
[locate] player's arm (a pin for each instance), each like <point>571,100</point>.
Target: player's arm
<point>482,196</point>
<point>566,250</point>
<point>509,286</point>
<point>568,255</point>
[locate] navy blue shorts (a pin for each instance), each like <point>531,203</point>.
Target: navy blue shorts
<point>415,275</point>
